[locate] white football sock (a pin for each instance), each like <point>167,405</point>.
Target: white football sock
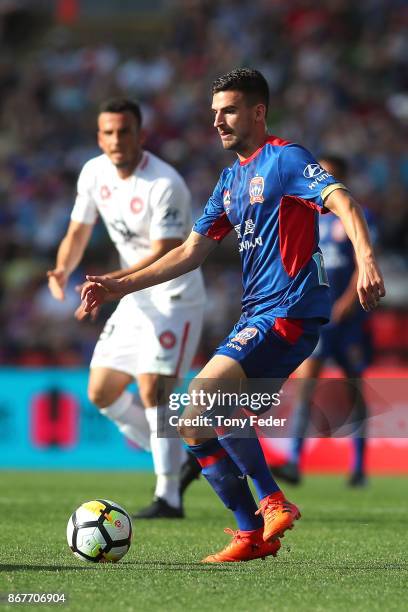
<point>130,418</point>
<point>168,457</point>
<point>167,487</point>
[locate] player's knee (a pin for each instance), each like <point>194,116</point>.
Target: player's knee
<point>189,438</point>
<point>148,390</point>
<point>190,426</point>
<point>101,396</point>
<point>185,433</point>
<point>148,398</point>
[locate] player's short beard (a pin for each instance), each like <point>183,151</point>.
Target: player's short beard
<point>128,164</point>
<point>237,145</point>
<point>122,164</point>
<point>232,146</point>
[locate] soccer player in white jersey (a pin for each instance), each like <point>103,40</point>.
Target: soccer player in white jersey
<point>145,206</point>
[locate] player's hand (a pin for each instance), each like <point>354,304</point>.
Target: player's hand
<point>57,279</point>
<point>100,289</point>
<point>370,285</point>
<point>80,313</point>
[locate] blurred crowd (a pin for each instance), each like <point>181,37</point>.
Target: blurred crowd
<point>339,83</point>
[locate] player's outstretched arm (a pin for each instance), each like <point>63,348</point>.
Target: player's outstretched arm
<point>184,258</point>
<point>158,248</point>
<point>370,284</point>
<point>69,255</point>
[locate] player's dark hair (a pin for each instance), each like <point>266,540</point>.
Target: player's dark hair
<point>121,105</point>
<point>339,162</point>
<point>250,82</point>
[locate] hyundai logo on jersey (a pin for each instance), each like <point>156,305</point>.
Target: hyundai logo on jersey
<point>312,170</point>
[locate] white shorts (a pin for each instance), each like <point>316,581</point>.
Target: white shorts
<point>137,341</point>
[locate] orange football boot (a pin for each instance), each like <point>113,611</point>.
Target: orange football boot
<point>245,546</point>
<point>279,515</point>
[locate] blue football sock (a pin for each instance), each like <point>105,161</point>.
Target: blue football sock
<point>296,450</point>
<point>360,413</point>
<point>248,455</point>
<point>228,482</point>
<point>301,417</point>
<point>359,448</point>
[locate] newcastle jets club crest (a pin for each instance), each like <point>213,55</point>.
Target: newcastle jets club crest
<point>256,189</point>
<point>244,335</point>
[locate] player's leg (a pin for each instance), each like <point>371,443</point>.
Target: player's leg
<point>113,367</point>
<point>360,411</point>
<point>219,469</point>
<point>226,478</point>
<point>354,363</point>
<point>246,452</point>
<point>168,454</point>
<point>270,348</point>
<point>107,389</point>
<point>353,354</point>
<point>168,341</point>
<point>307,373</point>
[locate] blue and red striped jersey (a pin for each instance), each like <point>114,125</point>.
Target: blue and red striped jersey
<point>271,200</point>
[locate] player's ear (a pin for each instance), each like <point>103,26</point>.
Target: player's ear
<point>99,139</point>
<point>260,112</point>
<point>98,132</point>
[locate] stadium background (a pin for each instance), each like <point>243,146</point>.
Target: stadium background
<point>338,77</point>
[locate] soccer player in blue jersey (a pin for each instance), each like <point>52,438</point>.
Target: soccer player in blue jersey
<point>345,340</point>
<point>270,197</point>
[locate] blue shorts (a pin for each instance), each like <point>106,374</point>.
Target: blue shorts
<point>270,347</point>
<point>348,343</point>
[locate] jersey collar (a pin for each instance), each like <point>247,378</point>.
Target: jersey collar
<point>255,153</point>
<point>270,139</point>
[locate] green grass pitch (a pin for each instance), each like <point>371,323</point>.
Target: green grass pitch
<point>349,551</point>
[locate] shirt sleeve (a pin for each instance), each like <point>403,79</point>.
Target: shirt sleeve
<point>303,178</point>
<point>214,222</point>
<point>85,209</point>
<point>170,210</point>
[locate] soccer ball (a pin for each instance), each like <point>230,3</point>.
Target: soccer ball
<point>99,531</point>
